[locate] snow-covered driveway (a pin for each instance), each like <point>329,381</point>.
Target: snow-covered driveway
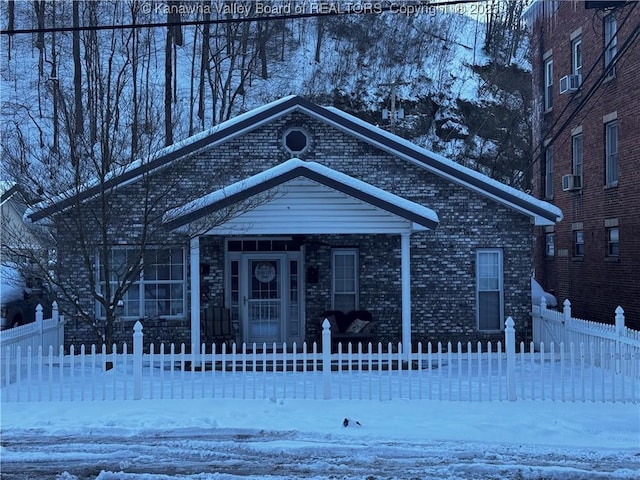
<point>229,439</point>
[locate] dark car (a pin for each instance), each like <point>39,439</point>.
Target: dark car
<point>19,298</point>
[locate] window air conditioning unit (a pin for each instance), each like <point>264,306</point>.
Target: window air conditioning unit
<point>570,83</point>
<point>571,182</point>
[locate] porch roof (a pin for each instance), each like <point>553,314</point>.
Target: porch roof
<point>303,197</point>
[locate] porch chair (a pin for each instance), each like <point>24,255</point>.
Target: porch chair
<point>216,327</point>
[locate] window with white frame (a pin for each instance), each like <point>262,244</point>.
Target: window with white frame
<point>548,83</point>
<point>158,291</point>
<point>344,279</point>
<point>613,239</point>
<point>550,244</point>
<point>548,179</point>
<point>578,243</point>
<point>577,142</point>
<point>610,43</point>
<point>611,161</point>
<point>489,289</point>
<point>576,56</point>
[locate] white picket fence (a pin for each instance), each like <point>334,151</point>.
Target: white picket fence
<point>472,373</point>
<point>42,333</point>
<point>610,346</point>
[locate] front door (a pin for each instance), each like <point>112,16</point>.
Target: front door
<point>264,295</point>
<point>263,299</point>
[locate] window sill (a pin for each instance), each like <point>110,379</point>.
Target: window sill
<point>577,259</point>
<point>611,185</point>
<point>609,78</point>
<point>612,259</point>
<point>548,110</point>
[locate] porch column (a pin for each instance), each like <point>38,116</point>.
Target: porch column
<point>194,264</point>
<point>405,243</point>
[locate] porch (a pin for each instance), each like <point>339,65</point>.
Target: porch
<point>272,226</point>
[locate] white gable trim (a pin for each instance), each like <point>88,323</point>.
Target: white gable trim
<point>306,197</point>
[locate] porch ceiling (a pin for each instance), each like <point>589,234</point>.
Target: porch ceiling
<point>300,197</point>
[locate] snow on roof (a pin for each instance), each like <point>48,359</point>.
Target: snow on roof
<point>543,212</point>
<point>171,150</point>
<point>430,218</point>
<point>450,164</point>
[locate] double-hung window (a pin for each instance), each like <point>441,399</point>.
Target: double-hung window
<point>345,279</point>
<point>611,161</point>
<point>576,56</point>
<point>577,143</point>
<point>610,43</point>
<point>548,179</point>
<point>158,290</point>
<point>578,243</point>
<point>489,289</point>
<point>548,83</point>
<point>549,241</point>
<point>613,239</point>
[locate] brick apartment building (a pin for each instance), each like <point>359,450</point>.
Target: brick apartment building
<point>586,134</point>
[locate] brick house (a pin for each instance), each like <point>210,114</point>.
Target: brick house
<point>586,65</point>
<point>342,216</point>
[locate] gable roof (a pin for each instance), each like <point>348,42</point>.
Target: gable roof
<point>544,213</point>
<point>292,169</point>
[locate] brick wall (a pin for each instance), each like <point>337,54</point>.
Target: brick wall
<point>594,283</point>
<point>442,263</point>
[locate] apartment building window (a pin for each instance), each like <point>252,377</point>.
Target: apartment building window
<point>610,43</point>
<point>611,161</point>
<point>548,179</point>
<point>550,244</point>
<point>548,83</point>
<point>576,56</point>
<point>578,243</point>
<point>613,249</point>
<point>577,142</point>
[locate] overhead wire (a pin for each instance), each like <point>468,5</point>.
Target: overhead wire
<point>331,12</point>
<point>545,142</point>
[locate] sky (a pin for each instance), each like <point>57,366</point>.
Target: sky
<point>202,439</point>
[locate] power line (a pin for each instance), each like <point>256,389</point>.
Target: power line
<point>326,10</point>
<point>583,101</point>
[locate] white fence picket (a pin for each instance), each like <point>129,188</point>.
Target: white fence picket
<point>464,373</point>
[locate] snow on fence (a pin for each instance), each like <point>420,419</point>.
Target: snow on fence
<point>41,333</point>
<point>612,345</point>
<point>473,373</point>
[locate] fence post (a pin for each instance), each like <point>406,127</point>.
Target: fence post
<point>326,358</point>
<point>538,323</point>
<point>137,361</point>
<point>39,318</point>
<point>621,331</point>
<point>566,320</point>
<point>510,347</point>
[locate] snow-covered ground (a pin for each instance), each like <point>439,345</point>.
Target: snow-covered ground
<point>397,439</point>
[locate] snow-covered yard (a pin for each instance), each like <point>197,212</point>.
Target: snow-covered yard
<point>202,439</point>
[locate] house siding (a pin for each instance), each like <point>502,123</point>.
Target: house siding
<point>443,292</point>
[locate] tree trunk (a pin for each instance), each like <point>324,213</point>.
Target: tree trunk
<point>77,73</point>
<point>55,85</point>
<point>11,13</point>
<point>319,34</point>
<point>204,61</point>
<point>168,96</point>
